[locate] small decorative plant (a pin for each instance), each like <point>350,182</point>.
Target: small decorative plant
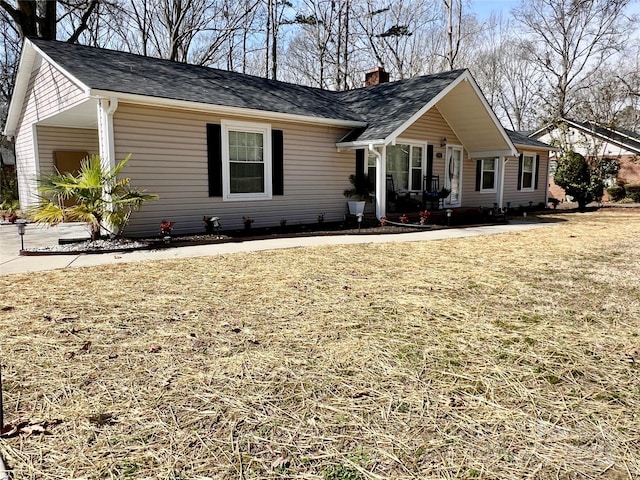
<point>404,218</point>
<point>166,227</point>
<point>424,216</point>
<point>283,223</point>
<point>247,222</point>
<point>10,210</point>
<point>383,221</point>
<point>360,188</point>
<point>444,193</point>
<point>320,218</point>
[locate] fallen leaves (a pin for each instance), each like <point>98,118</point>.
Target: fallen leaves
<point>28,428</point>
<point>633,355</point>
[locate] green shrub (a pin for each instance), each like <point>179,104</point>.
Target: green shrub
<point>578,179</point>
<point>633,191</point>
<point>616,193</point>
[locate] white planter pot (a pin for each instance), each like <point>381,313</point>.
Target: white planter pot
<point>356,208</point>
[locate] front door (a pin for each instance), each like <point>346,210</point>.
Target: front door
<point>68,162</point>
<point>453,176</point>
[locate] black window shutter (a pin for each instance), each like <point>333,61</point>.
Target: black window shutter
<point>214,159</point>
<point>520,172</point>
<point>478,174</point>
<point>277,162</point>
<point>537,171</point>
<point>429,165</point>
<point>359,168</point>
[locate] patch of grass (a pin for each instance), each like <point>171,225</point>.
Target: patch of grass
<point>489,357</point>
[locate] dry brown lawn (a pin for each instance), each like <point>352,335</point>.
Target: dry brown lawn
<point>508,356</point>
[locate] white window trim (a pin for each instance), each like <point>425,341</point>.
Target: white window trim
<point>414,143</point>
<point>533,173</point>
<point>453,146</point>
<point>495,176</point>
<point>250,127</point>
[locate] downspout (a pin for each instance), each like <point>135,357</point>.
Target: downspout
<point>106,109</point>
<point>381,182</point>
<point>546,184</point>
<point>106,140</point>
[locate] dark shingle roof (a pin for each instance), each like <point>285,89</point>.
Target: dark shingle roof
<point>115,71</point>
<point>384,108</point>
<point>618,136</point>
<point>521,139</point>
<point>388,105</point>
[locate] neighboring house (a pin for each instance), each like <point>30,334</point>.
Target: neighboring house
<point>594,141</point>
<point>212,142</point>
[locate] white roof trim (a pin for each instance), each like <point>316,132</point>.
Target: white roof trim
<point>492,114</point>
<point>391,138</point>
<point>550,127</point>
<point>603,137</point>
<point>359,144</point>
<point>210,107</point>
<point>466,75</point>
<point>492,153</point>
<point>27,59</point>
<point>524,146</point>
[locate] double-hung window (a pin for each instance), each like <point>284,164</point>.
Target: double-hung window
<point>246,161</point>
<point>528,169</point>
<point>488,175</point>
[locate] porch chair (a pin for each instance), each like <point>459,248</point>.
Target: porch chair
<point>431,191</point>
<point>392,195</point>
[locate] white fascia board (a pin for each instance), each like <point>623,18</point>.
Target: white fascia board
<point>391,138</point>
<point>492,153</point>
<point>359,144</point>
<point>27,57</point>
<point>25,67</point>
<point>464,76</point>
<point>603,137</point>
<point>522,146</point>
<point>66,73</point>
<point>236,111</point>
<point>491,113</point>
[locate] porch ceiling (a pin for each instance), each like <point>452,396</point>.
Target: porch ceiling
<point>82,115</point>
<point>473,123</point>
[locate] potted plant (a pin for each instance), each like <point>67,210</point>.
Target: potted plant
<point>360,192</point>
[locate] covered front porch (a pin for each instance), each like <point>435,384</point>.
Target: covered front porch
<point>448,154</point>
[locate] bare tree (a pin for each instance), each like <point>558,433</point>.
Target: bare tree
<point>572,39</point>
<point>397,36</point>
<point>275,18</point>
<point>39,18</point>
<point>10,53</point>
<point>454,30</point>
<point>501,65</point>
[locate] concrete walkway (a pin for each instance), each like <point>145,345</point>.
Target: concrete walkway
<point>36,236</point>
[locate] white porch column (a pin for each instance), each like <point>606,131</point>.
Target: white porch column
<point>381,180</point>
<point>502,162</point>
<point>106,109</point>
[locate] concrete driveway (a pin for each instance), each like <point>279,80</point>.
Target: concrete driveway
<point>12,262</point>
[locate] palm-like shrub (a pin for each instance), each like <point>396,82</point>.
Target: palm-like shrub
<point>95,196</point>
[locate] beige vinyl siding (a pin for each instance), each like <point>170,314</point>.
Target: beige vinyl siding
<point>523,197</point>
<point>48,93</point>
<point>471,197</point>
<point>431,128</point>
<point>51,139</point>
<point>169,158</point>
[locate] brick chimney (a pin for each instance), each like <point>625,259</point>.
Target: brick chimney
<point>376,76</point>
